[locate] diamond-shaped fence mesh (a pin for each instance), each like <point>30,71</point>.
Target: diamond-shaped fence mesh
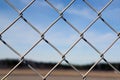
<point>57,17</point>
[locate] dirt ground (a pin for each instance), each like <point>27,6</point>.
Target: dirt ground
<point>60,75</point>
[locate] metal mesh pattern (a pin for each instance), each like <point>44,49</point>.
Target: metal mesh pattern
<point>43,33</point>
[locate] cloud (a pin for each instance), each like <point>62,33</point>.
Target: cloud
<point>85,12</point>
<point>61,39</point>
<point>20,36</point>
<point>100,37</point>
<point>99,40</point>
<point>113,14</point>
<point>25,1</point>
<point>58,4</point>
<point>5,20</point>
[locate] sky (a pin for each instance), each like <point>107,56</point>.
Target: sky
<point>40,14</point>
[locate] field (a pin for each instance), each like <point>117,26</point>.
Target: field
<point>21,74</point>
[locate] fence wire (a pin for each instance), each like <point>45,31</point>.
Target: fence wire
<point>42,38</point>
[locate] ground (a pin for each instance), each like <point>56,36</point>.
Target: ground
<point>25,74</point>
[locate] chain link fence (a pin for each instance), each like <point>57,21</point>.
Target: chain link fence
<point>43,33</point>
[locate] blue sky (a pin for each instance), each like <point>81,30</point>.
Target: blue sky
<point>21,36</point>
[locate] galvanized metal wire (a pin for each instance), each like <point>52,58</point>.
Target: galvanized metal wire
<point>62,55</point>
